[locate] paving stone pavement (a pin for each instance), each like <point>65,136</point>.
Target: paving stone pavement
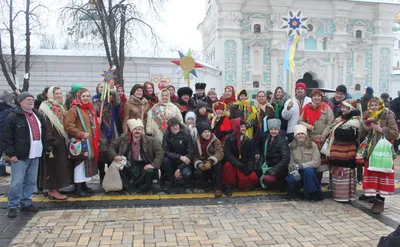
<point>287,223</point>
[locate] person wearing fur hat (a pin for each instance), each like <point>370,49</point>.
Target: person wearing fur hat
<point>304,162</point>
<point>179,150</point>
<point>211,98</point>
<point>108,126</point>
<point>200,92</point>
<point>185,102</point>
<point>159,114</point>
<point>172,96</point>
<point>208,155</point>
<point>229,97</point>
<point>293,109</point>
<point>190,124</point>
<point>220,123</point>
<point>341,148</point>
<point>136,107</point>
<point>24,132</point>
<point>239,156</point>
<point>276,157</point>
<point>336,101</point>
<point>149,94</point>
<point>144,154</point>
<point>6,106</point>
<point>203,116</point>
<point>244,109</point>
<point>369,94</point>
<point>318,118</point>
<point>378,122</point>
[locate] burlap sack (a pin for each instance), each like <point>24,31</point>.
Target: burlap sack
<point>112,180</point>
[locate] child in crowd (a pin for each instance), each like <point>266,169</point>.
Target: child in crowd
<point>202,114</point>
<point>190,124</point>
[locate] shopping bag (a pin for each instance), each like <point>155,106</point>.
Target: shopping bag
<point>112,180</point>
<point>381,158</point>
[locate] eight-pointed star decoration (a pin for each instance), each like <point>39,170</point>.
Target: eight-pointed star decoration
<point>294,23</point>
<point>187,64</point>
<point>109,74</point>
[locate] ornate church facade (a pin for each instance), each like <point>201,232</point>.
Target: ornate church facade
<point>347,42</point>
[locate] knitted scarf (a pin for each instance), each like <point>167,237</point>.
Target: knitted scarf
<point>55,112</point>
<point>204,144</point>
<point>376,114</point>
<point>94,123</point>
<point>312,113</point>
<point>108,116</point>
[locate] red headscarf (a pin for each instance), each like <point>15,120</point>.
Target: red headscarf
<point>311,112</point>
<point>94,122</point>
<point>231,99</point>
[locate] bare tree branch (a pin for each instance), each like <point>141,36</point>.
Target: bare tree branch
<point>4,69</point>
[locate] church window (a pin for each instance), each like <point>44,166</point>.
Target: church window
<point>310,27</point>
<point>358,34</point>
<point>358,87</point>
<point>257,28</point>
<point>325,44</point>
<point>256,84</point>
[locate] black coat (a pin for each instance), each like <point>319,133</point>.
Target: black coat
<point>246,160</point>
<point>178,145</point>
<point>395,107</point>
<point>16,139</point>
<point>5,109</point>
<point>277,156</point>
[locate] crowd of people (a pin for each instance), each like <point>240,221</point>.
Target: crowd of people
<point>278,142</point>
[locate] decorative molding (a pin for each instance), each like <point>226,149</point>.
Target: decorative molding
<point>229,20</point>
<point>368,66</point>
<point>341,25</point>
<point>384,28</point>
<point>350,66</point>
<point>323,26</point>
<point>315,65</point>
<point>267,64</point>
<point>340,75</point>
<point>230,62</point>
<point>246,56</point>
<point>368,25</point>
<point>279,79</point>
<point>384,69</point>
<point>246,21</point>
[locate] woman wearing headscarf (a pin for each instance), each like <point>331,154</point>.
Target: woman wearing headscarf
<point>136,107</point>
<point>379,122</point>
<point>264,110</point>
<point>54,168</point>
<point>108,128</point>
<point>317,117</point>
<point>341,149</point>
<point>220,123</point>
<point>84,170</point>
<point>211,98</point>
<point>172,96</point>
<point>244,109</point>
<point>120,108</point>
<point>159,114</point>
<point>278,102</point>
<point>149,94</point>
<point>229,97</point>
<point>185,102</point>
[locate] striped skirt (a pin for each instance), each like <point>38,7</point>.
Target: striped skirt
<point>343,184</point>
<point>378,182</point>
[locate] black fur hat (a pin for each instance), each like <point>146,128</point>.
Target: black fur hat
<point>185,90</point>
<point>200,85</point>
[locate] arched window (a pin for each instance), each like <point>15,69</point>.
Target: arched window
<point>358,87</point>
<point>257,28</point>
<point>256,84</point>
<point>358,34</point>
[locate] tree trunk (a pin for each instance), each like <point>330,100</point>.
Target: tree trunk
<point>28,47</point>
<point>122,45</point>
<point>113,43</point>
<point>4,68</point>
<point>103,16</point>
<point>12,44</point>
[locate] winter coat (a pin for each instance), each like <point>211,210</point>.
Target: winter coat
<point>390,130</point>
<point>322,126</point>
<point>135,108</point>
<point>292,116</point>
<point>306,154</point>
<point>277,156</point>
<point>5,109</point>
<point>243,160</point>
<point>186,107</point>
<point>364,101</point>
<point>150,149</point>
<point>156,125</point>
<point>337,105</point>
<point>104,141</point>
<point>395,107</point>
<point>215,152</point>
<point>178,145</point>
<point>16,139</point>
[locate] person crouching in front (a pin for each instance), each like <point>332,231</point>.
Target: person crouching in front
<point>239,156</point>
<point>144,155</point>
<point>304,162</point>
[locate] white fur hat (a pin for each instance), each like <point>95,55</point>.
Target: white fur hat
<point>134,123</point>
<point>300,129</point>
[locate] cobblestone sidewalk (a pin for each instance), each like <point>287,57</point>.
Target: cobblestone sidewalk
<point>290,223</point>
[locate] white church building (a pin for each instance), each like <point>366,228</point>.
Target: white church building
<point>348,42</point>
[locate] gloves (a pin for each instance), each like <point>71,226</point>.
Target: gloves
<point>201,166</point>
<point>270,172</point>
<point>296,175</point>
<point>298,167</point>
<point>207,166</point>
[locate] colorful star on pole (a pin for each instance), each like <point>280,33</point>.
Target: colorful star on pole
<point>294,23</point>
<point>187,64</point>
<point>109,75</point>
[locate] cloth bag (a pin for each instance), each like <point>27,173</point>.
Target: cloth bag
<point>79,149</point>
<point>112,180</point>
<point>381,158</point>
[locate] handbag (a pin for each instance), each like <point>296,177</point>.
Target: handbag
<point>381,158</point>
<point>79,149</point>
